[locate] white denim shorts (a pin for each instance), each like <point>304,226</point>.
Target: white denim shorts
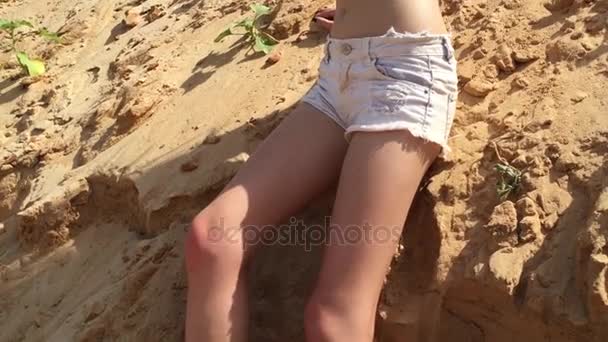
<point>398,81</point>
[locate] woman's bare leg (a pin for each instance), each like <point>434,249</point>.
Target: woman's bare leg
<point>299,160</point>
<point>380,176</point>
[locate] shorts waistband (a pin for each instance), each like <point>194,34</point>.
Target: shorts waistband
<point>391,44</point>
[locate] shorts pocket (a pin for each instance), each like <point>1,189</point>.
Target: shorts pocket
<point>411,69</point>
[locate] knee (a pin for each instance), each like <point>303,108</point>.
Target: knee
<point>319,322</point>
<point>330,321</point>
<point>210,242</point>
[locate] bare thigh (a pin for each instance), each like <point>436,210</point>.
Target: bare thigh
<point>299,160</point>
<point>380,176</point>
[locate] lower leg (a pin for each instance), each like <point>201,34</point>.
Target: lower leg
<point>216,300</point>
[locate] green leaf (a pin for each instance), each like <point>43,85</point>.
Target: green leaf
<point>509,182</point>
<point>4,24</point>
<point>246,23</point>
<point>20,23</point>
<point>223,34</point>
<point>261,45</point>
<point>259,10</point>
<point>34,67</point>
<point>10,25</point>
<point>52,36</point>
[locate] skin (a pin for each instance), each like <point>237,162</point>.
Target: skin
<point>345,21</point>
<point>378,174</point>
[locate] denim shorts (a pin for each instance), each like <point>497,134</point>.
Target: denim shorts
<point>398,81</point>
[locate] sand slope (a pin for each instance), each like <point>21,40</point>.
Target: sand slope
<point>134,129</point>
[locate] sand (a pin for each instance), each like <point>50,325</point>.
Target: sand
<point>141,119</point>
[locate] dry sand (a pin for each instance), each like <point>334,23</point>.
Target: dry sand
<point>105,159</point>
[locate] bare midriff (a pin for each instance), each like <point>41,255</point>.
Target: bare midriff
<point>369,18</point>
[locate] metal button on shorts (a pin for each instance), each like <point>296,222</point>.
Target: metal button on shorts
<point>346,49</point>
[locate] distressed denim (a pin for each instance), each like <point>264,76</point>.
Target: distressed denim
<point>398,81</point>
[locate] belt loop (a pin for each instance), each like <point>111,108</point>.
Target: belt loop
<point>369,50</point>
<point>447,51</point>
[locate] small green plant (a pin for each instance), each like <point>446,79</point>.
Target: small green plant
<point>252,31</point>
<point>509,182</point>
<point>16,31</point>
